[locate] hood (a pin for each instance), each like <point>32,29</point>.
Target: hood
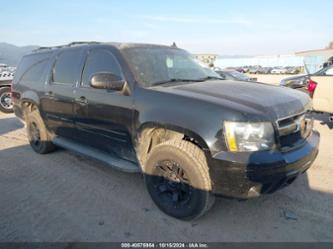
<point>266,100</point>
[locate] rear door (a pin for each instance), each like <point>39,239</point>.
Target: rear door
<point>103,117</point>
<point>323,95</point>
<point>58,101</point>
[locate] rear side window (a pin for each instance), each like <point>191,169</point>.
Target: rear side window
<point>35,72</point>
<point>100,60</point>
<point>67,67</point>
<point>28,64</point>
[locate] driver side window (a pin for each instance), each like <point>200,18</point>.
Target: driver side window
<point>100,61</point>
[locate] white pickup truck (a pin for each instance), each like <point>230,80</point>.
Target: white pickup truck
<point>320,87</point>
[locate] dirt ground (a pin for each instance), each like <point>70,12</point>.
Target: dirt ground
<point>65,197</point>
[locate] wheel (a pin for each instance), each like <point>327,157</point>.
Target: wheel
<point>6,105</point>
<point>177,178</point>
<point>38,136</point>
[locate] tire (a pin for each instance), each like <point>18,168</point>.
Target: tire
<point>5,100</point>
<point>177,178</point>
<point>38,136</point>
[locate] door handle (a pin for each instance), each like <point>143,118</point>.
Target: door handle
<point>49,93</point>
<point>81,100</point>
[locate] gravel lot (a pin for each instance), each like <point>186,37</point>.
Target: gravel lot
<point>65,197</point>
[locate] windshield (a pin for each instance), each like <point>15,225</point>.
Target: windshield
<point>161,65</point>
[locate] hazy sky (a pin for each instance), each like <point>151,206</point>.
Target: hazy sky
<point>213,26</point>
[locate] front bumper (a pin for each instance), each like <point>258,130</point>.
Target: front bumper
<point>246,175</point>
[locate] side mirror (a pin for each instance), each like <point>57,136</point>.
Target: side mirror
<point>107,81</point>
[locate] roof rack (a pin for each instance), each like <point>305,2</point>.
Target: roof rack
<point>68,45</point>
<point>45,48</point>
<point>81,43</point>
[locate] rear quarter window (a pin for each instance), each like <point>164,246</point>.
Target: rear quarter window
<point>35,72</point>
<point>29,63</point>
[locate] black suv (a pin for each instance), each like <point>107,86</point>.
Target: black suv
<point>152,109</point>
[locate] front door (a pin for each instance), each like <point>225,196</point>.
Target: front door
<point>103,117</point>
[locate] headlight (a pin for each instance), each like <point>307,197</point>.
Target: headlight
<point>249,136</point>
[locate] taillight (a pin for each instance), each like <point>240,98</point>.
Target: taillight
<point>312,85</point>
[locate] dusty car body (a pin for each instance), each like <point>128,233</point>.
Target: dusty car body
<point>152,109</point>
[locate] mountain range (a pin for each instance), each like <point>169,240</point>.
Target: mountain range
<point>11,54</point>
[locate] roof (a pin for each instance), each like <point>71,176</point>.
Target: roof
<point>118,45</point>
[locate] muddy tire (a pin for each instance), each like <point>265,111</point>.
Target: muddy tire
<point>5,100</point>
<point>38,136</point>
<point>177,178</point>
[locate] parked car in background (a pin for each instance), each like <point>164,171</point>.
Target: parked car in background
<point>255,70</point>
<point>152,109</point>
<point>246,69</point>
<point>238,69</point>
<point>229,74</point>
<point>318,85</point>
<point>293,70</point>
<point>296,82</point>
<point>328,63</point>
<point>279,70</point>
<point>266,70</point>
<point>6,78</point>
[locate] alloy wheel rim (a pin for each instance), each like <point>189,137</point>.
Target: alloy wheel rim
<point>172,184</point>
<point>6,101</point>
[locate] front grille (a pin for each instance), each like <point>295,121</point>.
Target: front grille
<point>294,130</point>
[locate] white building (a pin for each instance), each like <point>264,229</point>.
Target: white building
<point>313,59</point>
<point>264,61</point>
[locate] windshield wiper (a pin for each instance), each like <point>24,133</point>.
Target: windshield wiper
<point>174,80</point>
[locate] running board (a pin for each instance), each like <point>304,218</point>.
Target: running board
<point>113,161</point>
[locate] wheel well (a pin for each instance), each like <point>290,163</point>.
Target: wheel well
<point>28,107</point>
<point>151,137</point>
